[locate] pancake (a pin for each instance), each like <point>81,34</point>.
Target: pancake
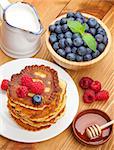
<point>52,107</point>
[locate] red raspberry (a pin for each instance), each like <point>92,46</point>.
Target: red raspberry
<point>89,96</point>
<point>96,86</point>
<point>26,80</point>
<point>102,95</point>
<point>22,91</point>
<point>37,87</point>
<point>85,82</point>
<point>4,85</point>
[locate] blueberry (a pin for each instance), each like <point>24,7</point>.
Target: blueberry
<point>99,38</point>
<point>92,22</point>
<point>52,28</point>
<point>63,21</point>
<point>64,28</point>
<point>105,40</point>
<point>78,15</point>
<point>79,58</point>
<point>60,36</point>
<point>71,56</point>
<point>75,35</point>
<point>74,50</point>
<point>88,50</point>
<point>57,22</point>
<point>80,20</point>
<point>68,42</point>
<point>70,14</point>
<point>61,52</point>
<point>81,51</point>
<point>101,31</point>
<point>68,34</point>
<point>85,19</point>
<point>85,44</point>
<point>52,38</point>
<point>36,99</point>
<point>97,25</point>
<point>77,42</point>
<point>62,43</point>
<point>71,18</point>
<point>87,28</point>
<point>58,29</point>
<point>68,50</point>
<point>95,54</point>
<point>101,47</point>
<point>87,57</point>
<point>92,31</point>
<point>56,46</point>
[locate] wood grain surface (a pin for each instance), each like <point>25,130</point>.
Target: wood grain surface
<point>104,71</point>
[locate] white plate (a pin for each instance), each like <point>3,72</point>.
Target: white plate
<point>8,127</point>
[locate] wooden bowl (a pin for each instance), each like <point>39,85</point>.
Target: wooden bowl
<point>80,123</point>
<point>78,65</point>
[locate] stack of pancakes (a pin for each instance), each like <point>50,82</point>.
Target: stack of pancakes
<point>35,117</point>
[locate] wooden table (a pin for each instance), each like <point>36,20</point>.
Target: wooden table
<point>49,10</point>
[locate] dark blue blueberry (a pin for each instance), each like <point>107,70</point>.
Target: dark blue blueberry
<point>52,38</point>
<point>105,40</point>
<point>75,35</point>
<point>56,46</point>
<point>64,28</point>
<point>78,42</point>
<point>87,57</point>
<point>101,47</point>
<point>85,44</point>
<point>63,21</point>
<point>81,50</point>
<point>88,50</point>
<point>68,42</point>
<point>61,52</point>
<point>92,31</point>
<point>101,31</point>
<point>74,50</point>
<point>95,54</point>
<point>80,20</point>
<point>36,99</point>
<point>87,28</point>
<point>85,19</point>
<point>71,56</point>
<point>60,36</point>
<point>52,28</point>
<point>97,26</point>
<point>70,14</point>
<point>99,38</point>
<point>68,34</point>
<point>57,22</point>
<point>78,15</point>
<point>68,50</point>
<point>79,58</point>
<point>92,22</point>
<point>58,29</point>
<point>62,43</point>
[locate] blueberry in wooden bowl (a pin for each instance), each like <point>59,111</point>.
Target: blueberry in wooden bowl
<point>78,40</point>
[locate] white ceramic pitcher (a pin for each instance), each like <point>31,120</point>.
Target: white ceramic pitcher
<point>16,42</point>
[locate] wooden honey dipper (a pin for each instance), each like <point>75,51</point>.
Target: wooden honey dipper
<point>95,130</point>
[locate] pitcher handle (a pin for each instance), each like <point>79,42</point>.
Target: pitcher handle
<point>3,5</point>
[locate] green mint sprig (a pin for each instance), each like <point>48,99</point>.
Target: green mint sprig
<point>77,27</point>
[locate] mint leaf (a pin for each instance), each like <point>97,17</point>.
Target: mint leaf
<point>90,41</point>
<point>76,26</point>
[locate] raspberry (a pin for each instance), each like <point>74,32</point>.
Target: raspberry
<point>22,91</point>
<point>96,86</point>
<point>37,87</point>
<point>85,82</point>
<point>4,85</point>
<point>102,95</point>
<point>89,96</point>
<point>26,81</point>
